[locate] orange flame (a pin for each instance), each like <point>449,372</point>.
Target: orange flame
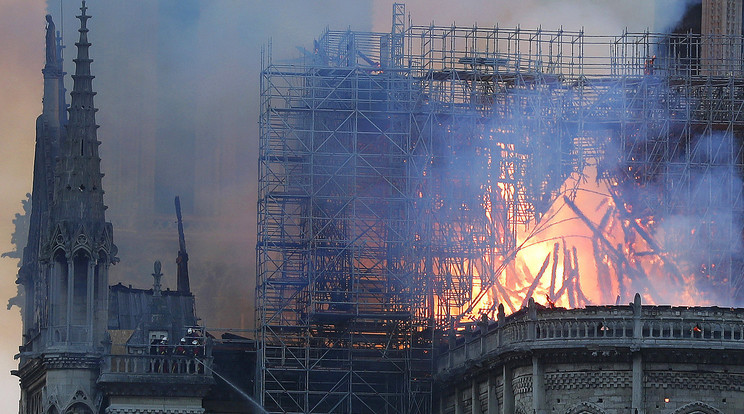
<point>568,260</point>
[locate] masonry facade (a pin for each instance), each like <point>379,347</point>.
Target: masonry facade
<point>597,360</point>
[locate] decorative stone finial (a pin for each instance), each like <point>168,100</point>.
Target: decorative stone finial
<point>637,304</point>
<point>157,275</point>
<point>500,315</point>
<point>531,308</point>
<point>51,43</point>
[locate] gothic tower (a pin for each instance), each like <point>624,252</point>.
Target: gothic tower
<point>721,44</point>
<point>50,132</point>
<point>65,319</point>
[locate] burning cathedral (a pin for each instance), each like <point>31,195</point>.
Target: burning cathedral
<point>450,219</point>
<point>475,219</point>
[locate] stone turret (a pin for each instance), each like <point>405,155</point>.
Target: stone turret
<point>70,246</point>
<point>79,247</point>
<point>50,133</point>
<point>78,196</point>
<point>78,355</point>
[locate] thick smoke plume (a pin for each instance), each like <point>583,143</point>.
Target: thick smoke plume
<point>177,85</point>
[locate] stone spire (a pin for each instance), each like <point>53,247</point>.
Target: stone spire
<point>51,124</point>
<point>182,261</point>
<point>66,287</point>
<point>160,316</point>
<point>49,135</point>
<point>79,241</point>
<point>54,105</point>
<point>78,192</point>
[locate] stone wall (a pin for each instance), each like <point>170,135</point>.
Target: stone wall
<point>609,360</point>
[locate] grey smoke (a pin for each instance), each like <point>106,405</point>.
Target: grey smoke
<point>178,98</point>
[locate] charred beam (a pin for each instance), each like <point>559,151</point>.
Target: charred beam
<point>615,252</point>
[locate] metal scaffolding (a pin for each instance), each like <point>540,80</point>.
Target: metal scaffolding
<point>396,169</point>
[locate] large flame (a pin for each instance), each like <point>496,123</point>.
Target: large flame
<point>587,249</point>
<point>501,228</point>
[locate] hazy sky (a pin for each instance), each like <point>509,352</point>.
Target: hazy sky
<point>227,64</point>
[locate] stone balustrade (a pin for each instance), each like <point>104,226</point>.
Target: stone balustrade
<point>160,360</point>
<point>157,364</point>
<point>633,325</point>
<point>599,359</point>
<point>161,378</point>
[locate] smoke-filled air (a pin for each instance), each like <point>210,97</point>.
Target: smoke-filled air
<point>566,219</point>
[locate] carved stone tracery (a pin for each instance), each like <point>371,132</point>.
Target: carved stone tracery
<point>714,381</point>
<point>697,407</point>
<point>594,379</point>
<point>585,408</point>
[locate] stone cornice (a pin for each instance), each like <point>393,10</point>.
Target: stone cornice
<point>71,361</point>
<point>714,381</point>
<point>31,372</point>
<point>155,385</point>
<point>141,410</point>
<point>35,368</point>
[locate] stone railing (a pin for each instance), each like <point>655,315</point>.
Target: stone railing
<point>157,364</point>
<point>632,325</point>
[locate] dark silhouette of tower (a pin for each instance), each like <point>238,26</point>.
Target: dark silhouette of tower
<point>182,261</point>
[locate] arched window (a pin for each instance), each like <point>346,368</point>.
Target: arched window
<point>59,280</point>
<point>585,408</point>
<point>697,407</point>
<point>79,408</point>
<point>80,289</point>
